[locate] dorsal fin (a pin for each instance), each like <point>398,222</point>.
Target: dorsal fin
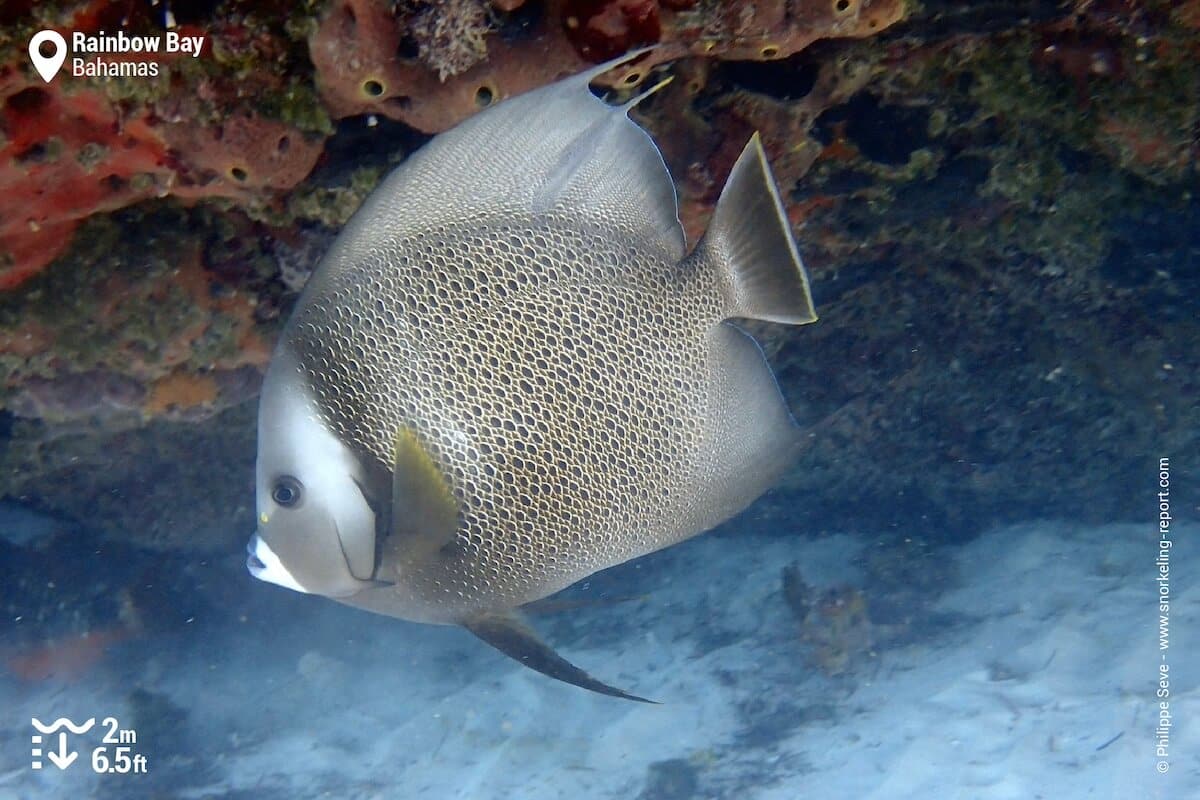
<point>613,167</point>
<point>557,147</point>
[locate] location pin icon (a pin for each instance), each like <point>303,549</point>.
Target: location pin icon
<point>48,66</point>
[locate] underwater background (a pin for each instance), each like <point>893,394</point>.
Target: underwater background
<point>956,592</point>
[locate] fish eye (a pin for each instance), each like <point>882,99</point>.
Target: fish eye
<point>287,491</point>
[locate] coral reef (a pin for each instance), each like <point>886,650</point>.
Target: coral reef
<point>76,147</point>
<point>996,202</point>
<point>450,36</point>
<point>163,485</point>
<point>128,336</point>
<point>834,623</point>
<point>983,277</point>
<point>431,77</point>
<point>844,627</point>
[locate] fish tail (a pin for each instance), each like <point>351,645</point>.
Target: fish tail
<point>749,244</point>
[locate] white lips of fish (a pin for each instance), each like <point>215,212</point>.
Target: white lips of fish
<point>266,566</point>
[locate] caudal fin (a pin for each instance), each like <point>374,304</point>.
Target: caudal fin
<point>749,243</point>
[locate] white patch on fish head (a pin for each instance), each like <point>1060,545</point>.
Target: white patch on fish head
<point>316,531</point>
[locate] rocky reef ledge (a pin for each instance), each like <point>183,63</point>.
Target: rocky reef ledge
<point>998,202</point>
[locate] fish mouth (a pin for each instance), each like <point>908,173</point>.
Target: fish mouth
<point>254,564</point>
<point>264,564</point>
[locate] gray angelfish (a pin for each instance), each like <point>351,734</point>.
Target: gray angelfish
<point>508,373</point>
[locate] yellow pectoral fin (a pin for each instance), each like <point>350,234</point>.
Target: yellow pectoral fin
<point>424,511</point>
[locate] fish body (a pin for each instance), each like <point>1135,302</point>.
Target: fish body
<point>508,373</point>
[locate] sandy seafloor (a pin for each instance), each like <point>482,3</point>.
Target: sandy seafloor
<point>1034,676</point>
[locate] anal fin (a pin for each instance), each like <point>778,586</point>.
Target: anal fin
<point>513,637</point>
